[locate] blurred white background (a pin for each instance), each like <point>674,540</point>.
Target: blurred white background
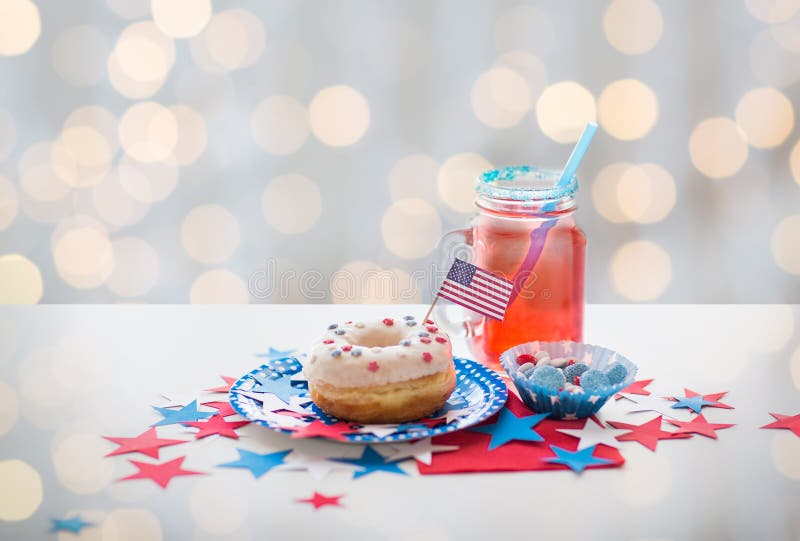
<point>198,151</point>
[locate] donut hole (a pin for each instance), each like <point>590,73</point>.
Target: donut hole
<point>378,338</point>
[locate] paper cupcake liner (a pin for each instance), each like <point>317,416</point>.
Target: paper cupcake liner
<point>564,404</point>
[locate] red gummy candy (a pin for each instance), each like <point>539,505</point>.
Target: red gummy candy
<point>388,321</point>
<point>526,358</point>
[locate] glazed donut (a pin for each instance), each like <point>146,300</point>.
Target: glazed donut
<point>385,371</point>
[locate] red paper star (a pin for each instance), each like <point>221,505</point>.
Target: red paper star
<point>148,443</point>
<point>229,381</point>
<point>320,500</point>
<point>317,428</point>
<point>647,433</point>
<point>224,409</point>
<point>789,422</point>
<point>637,387</point>
<point>713,397</point>
<point>698,425</point>
<point>217,425</point>
<point>161,474</point>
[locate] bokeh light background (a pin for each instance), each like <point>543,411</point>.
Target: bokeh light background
<point>175,150</point>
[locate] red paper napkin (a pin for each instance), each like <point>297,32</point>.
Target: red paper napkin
<point>473,454</point>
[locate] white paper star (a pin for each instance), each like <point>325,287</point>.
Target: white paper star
<point>594,434</point>
<point>317,466</point>
<point>420,450</point>
<point>378,430</point>
<point>652,403</point>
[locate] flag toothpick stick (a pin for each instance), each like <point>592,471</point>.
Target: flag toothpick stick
<point>430,309</point>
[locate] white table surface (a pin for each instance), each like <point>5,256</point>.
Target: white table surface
<point>71,373</point>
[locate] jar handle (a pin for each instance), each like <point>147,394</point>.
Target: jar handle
<point>454,319</point>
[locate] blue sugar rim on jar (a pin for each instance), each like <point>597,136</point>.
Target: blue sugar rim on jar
<point>488,184</point>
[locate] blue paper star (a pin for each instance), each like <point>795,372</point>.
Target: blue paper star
<point>372,462</point>
<point>509,427</point>
<point>280,387</point>
<point>256,463</point>
<point>74,524</point>
<point>695,403</point>
<point>274,354</point>
<point>577,461</point>
<point>187,413</point>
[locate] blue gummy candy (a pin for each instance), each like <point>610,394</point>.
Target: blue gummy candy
<point>356,353</point>
<point>408,318</point>
<point>405,342</point>
<point>549,377</point>
<point>617,374</point>
<point>332,326</point>
<point>339,331</point>
<point>592,380</point>
<point>574,370</point>
<point>336,352</point>
<point>411,323</point>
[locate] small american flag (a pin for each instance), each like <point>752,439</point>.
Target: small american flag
<point>477,289</point>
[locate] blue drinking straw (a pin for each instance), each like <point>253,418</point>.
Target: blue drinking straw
<point>578,152</point>
<point>539,234</point>
<point>574,160</point>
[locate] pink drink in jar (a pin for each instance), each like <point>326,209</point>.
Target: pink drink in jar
<point>524,231</point>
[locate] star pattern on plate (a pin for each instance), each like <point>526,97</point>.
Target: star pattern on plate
<point>217,425</point>
<point>161,474</point>
<point>229,381</point>
<point>508,427</point>
<point>186,413</point>
<point>594,434</point>
<point>371,462</point>
<point>420,450</point>
<point>317,466</point>
<point>280,420</point>
<point>318,429</point>
<point>258,464</point>
<point>577,461</point>
<point>648,434</point>
<point>637,387</point>
<point>320,500</point>
<point>280,387</point>
<point>378,430</point>
<point>148,443</point>
<point>789,422</point>
<point>698,425</point>
<point>73,524</point>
